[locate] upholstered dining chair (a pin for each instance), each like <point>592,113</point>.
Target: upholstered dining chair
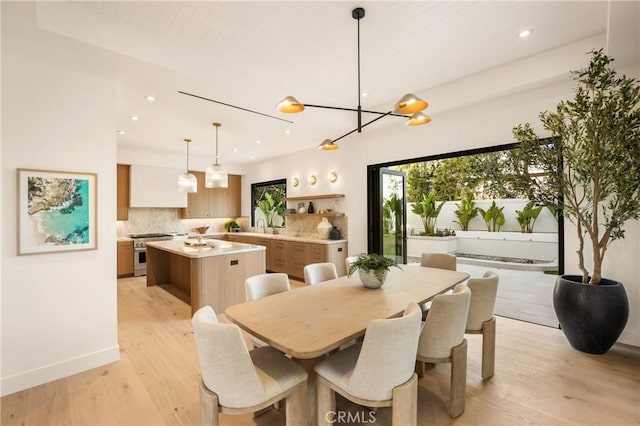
<point>481,320</point>
<point>263,285</point>
<point>348,261</point>
<point>442,340</point>
<point>238,381</point>
<point>318,272</point>
<point>439,260</point>
<point>375,373</point>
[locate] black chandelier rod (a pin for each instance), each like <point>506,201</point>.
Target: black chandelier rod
<point>234,106</point>
<point>357,129</point>
<point>358,13</point>
<point>357,110</point>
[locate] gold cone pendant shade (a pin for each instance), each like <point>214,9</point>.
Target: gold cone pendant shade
<point>328,145</point>
<point>186,181</point>
<point>216,175</point>
<point>410,104</point>
<point>290,105</point>
<point>417,119</point>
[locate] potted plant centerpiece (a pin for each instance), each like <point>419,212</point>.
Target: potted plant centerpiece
<point>591,169</point>
<point>372,269</point>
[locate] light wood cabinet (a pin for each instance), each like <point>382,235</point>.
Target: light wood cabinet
<point>214,202</point>
<point>122,190</point>
<point>291,257</point>
<point>125,259</point>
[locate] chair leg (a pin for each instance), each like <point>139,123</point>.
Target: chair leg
<point>488,348</point>
<point>326,400</point>
<point>405,403</point>
<point>208,407</point>
<point>295,405</point>
<point>458,379</point>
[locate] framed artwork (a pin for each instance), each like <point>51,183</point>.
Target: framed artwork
<point>56,211</point>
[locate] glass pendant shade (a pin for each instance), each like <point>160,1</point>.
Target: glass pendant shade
<point>327,145</point>
<point>216,175</point>
<point>290,105</point>
<point>417,119</point>
<point>410,104</point>
<point>186,181</point>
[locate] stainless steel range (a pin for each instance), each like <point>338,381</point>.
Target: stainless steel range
<point>140,250</point>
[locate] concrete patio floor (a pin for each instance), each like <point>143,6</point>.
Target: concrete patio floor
<point>523,295</point>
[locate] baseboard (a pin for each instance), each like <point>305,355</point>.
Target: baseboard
<point>630,337</point>
<point>49,373</point>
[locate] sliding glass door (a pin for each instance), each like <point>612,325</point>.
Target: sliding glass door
<point>386,213</point>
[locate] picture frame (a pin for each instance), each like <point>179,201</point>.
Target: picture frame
<point>57,211</point>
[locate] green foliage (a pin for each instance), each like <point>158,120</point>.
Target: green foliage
<point>372,262</point>
<point>527,216</point>
<point>592,158</point>
<point>493,217</point>
<point>466,211</point>
<point>391,210</point>
<point>428,212</point>
<point>231,224</point>
<point>270,208</point>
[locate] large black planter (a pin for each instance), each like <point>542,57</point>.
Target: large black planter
<point>591,316</point>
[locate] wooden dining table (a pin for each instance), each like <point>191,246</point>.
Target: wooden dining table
<point>310,322</point>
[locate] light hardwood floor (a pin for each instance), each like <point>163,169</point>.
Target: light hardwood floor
<point>539,379</point>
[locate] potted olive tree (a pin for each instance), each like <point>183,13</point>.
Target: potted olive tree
<point>591,169</point>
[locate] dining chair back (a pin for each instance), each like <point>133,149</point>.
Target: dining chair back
<point>439,260</point>
<point>348,261</point>
<point>237,381</point>
<point>317,272</point>
<point>481,320</point>
<point>442,340</point>
<point>262,285</point>
<point>378,372</point>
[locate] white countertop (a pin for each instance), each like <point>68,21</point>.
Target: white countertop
<point>287,238</point>
<point>213,248</point>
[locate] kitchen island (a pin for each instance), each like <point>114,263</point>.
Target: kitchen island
<point>211,274</point>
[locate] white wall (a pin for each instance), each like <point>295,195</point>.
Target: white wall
<point>467,126</point>
<point>58,310</point>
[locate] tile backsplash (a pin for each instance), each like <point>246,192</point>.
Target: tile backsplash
<point>145,220</point>
<point>151,220</point>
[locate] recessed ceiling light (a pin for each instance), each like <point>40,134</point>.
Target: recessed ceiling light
<point>525,33</point>
<point>134,117</point>
<point>150,98</point>
<point>258,141</point>
<point>252,157</point>
<point>365,93</point>
<point>121,132</point>
<point>288,132</point>
<point>235,149</point>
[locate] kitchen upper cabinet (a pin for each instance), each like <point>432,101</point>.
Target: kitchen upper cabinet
<point>214,202</point>
<point>122,189</point>
<point>155,187</point>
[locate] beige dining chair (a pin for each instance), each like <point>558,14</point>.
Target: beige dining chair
<point>317,272</point>
<point>375,373</point>
<point>238,381</point>
<point>348,261</point>
<point>263,285</point>
<point>442,340</point>
<point>439,260</point>
<point>481,319</point>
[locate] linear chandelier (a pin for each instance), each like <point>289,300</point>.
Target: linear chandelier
<point>409,106</point>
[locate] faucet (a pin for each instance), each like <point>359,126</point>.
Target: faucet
<point>264,226</point>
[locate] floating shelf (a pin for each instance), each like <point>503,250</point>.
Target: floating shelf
<point>314,197</point>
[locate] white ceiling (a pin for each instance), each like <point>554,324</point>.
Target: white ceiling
<point>252,54</point>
